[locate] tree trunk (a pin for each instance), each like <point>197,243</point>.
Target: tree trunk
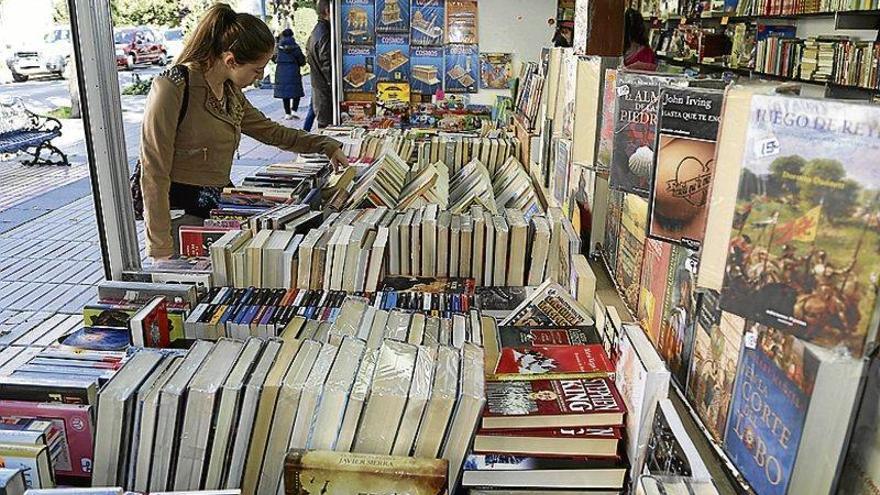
<point>73,88</point>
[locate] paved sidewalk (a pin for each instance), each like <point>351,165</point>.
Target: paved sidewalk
<point>50,259</point>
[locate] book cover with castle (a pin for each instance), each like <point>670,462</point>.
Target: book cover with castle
<point>428,21</point>
<point>770,401</point>
<point>804,251</point>
<point>392,16</point>
<point>426,66</point>
<point>462,68</point>
<point>358,69</point>
<point>392,57</point>
<point>358,22</point>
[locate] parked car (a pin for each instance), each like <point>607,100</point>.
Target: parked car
<point>173,43</point>
<point>49,57</point>
<point>138,46</point>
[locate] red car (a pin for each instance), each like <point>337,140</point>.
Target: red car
<point>138,46</point>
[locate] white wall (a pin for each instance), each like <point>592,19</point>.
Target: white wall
<point>513,26</point>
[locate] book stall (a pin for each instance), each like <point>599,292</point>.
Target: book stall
<point>595,280</point>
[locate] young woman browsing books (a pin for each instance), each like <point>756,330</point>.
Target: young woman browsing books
<point>194,118</point>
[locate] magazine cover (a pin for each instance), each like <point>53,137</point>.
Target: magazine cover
<point>606,134</point>
<point>392,16</point>
<point>392,57</point>
<point>803,250</point>
<point>631,247</point>
<point>357,112</point>
<point>462,64</point>
<point>461,21</point>
<point>685,164</point>
<point>632,158</point>
<point>428,20</point>
<point>496,69</point>
<point>550,304</point>
<point>426,65</point>
<point>358,69</point>
<point>549,362</point>
<point>778,373</point>
<point>679,313</point>
<point>716,354</point>
<point>655,274</point>
<point>358,22</point>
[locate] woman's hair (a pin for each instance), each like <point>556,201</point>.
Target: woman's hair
<point>220,30</point>
<point>634,29</point>
<point>287,32</point>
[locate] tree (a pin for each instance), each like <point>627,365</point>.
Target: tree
<point>792,164</point>
<point>191,13</point>
<point>146,12</point>
<point>838,194</point>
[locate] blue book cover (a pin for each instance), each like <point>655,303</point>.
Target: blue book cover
<point>428,20</point>
<point>392,16</point>
<point>425,67</point>
<point>462,67</point>
<point>99,339</point>
<point>392,57</point>
<point>770,401</point>
<point>358,69</point>
<point>358,22</point>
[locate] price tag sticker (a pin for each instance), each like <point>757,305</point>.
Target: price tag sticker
<point>725,20</point>
<point>623,90</point>
<point>767,147</point>
<point>750,339</point>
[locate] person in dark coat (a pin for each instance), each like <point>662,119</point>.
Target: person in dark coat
<point>288,80</point>
<point>321,65</point>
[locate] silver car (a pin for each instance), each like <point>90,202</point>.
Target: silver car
<point>48,58</point>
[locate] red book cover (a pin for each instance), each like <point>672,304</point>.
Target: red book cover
<point>606,432</point>
<point>552,404</point>
<point>75,421</point>
<point>155,327</point>
<point>547,362</point>
<point>196,241</point>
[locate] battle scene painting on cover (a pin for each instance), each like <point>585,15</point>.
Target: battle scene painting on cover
<point>635,127</point>
<point>685,164</point>
<point>631,247</point>
<point>655,273</point>
<point>679,313</point>
<point>770,401</point>
<point>804,253</point>
<point>717,341</point>
<point>358,22</point>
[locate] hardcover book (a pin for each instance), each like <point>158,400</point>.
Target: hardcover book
<point>532,475</point>
<point>612,231</point>
<point>196,241</point>
<point>426,65</point>
<point>631,247</point>
<point>777,373</point>
<point>428,21</point>
<point>461,69</point>
<point>606,133</point>
<point>461,21</point>
<point>429,285</point>
<point>392,16</point>
<point>551,442</point>
<point>679,309</point>
<point>547,336</point>
<point>685,164</point>
<point>392,57</point>
<point>358,69</point>
<point>549,305</point>
<point>716,354</point>
<point>655,273</point>
<point>552,404</point>
<point>800,256</point>
<point>501,301</point>
<point>343,473</point>
<point>358,22</point>
<point>632,160</point>
<point>553,362</point>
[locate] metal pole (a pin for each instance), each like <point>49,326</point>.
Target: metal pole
<point>336,55</point>
<point>105,138</point>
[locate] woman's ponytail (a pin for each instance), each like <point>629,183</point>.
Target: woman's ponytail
<point>221,29</point>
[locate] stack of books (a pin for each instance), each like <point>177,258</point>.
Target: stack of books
<point>456,151</point>
<point>471,186</point>
<point>47,404</point>
<point>241,313</point>
<point>554,417</point>
<point>225,414</point>
<point>528,100</point>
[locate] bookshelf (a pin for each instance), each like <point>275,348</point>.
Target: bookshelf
<point>844,19</point>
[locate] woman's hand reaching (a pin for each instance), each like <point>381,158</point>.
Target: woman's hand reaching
<point>339,160</point>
